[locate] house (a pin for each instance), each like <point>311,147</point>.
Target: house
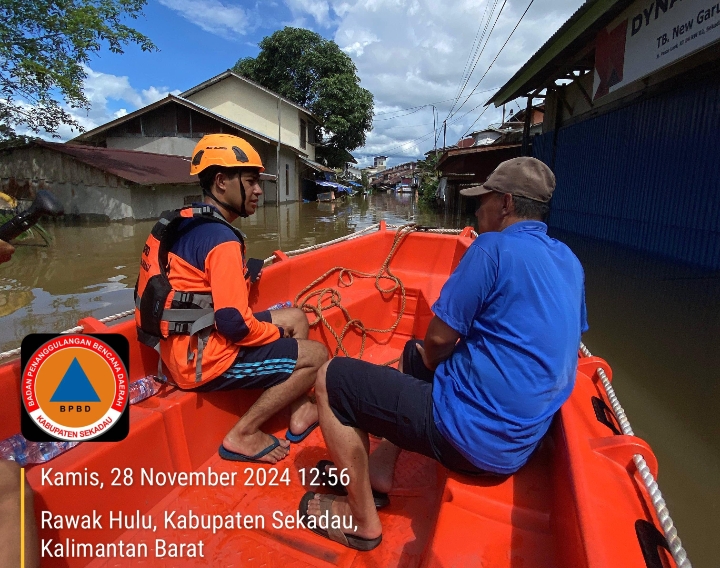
<point>352,170</point>
<point>486,136</point>
<point>405,175</point>
<point>378,166</point>
<point>104,184</point>
<point>462,167</point>
<point>282,131</point>
<point>630,129</point>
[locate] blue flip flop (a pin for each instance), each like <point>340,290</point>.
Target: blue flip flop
<point>234,456</point>
<point>290,437</point>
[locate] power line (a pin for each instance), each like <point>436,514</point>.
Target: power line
<point>477,59</point>
<point>423,106</point>
<point>401,115</point>
<point>425,136</point>
<point>473,124</point>
<point>450,114</point>
<point>473,50</point>
<point>498,53</point>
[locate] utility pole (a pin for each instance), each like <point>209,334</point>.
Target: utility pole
<point>444,133</point>
<point>277,160</point>
<point>434,129</point>
<point>525,148</point>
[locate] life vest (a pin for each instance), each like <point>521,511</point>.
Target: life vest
<point>160,310</point>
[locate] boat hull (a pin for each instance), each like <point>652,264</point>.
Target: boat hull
<point>575,504</point>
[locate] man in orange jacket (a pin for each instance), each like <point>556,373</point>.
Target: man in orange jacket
<point>245,350</point>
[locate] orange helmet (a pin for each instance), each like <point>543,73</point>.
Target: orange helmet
<point>224,150</point>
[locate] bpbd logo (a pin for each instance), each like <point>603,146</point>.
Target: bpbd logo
<point>75,387</point>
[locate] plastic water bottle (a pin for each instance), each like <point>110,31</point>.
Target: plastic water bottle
<point>22,451</point>
<point>281,305</point>
<point>144,388</point>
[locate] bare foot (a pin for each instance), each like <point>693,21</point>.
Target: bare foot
<point>382,466</point>
<point>341,508</point>
<point>255,443</point>
<point>303,414</point>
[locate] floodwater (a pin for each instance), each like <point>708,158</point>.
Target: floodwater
<point>657,324</point>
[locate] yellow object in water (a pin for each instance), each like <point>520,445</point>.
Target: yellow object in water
<point>8,199</point>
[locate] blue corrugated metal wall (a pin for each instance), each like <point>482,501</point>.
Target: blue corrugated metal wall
<point>645,176</point>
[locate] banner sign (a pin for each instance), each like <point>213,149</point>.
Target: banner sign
<point>650,35</point>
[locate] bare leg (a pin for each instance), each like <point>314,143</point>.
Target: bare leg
<point>246,437</point>
<point>382,466</point>
<point>303,411</point>
<point>349,449</point>
<point>10,519</point>
<point>293,321</point>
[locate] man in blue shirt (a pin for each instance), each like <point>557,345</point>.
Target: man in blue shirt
<point>498,360</point>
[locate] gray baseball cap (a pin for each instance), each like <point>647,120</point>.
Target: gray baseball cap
<point>524,177</point>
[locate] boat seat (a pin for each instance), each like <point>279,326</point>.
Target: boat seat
<point>481,519</point>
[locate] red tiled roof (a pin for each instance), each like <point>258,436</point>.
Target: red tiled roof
<point>142,168</point>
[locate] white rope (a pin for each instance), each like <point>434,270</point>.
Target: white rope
<point>362,231</point>
<point>328,243</point>
<point>76,329</point>
<point>671,534</point>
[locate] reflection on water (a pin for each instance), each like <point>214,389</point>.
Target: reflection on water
<point>658,324</point>
<point>91,270</point>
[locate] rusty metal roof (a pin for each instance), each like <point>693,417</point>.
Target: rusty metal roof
<point>476,149</point>
<point>142,168</point>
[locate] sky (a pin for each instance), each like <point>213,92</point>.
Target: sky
<point>410,54</point>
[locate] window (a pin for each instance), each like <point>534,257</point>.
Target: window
<point>311,133</point>
<point>303,134</point>
<point>287,179</point>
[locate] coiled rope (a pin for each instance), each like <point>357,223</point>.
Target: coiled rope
<point>328,297</point>
<point>671,534</point>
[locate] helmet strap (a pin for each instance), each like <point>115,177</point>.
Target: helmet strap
<point>242,194</point>
<point>227,206</point>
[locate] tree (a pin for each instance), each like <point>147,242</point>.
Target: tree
<point>365,181</point>
<point>429,180</point>
<point>314,73</point>
<point>44,47</point>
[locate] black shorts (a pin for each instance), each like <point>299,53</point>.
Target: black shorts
<point>393,405</point>
<point>258,367</point>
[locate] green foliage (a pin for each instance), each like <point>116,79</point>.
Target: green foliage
<point>315,73</point>
<point>44,47</point>
<point>365,181</point>
<point>6,215</point>
<point>428,181</point>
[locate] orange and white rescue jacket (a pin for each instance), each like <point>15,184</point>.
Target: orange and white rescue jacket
<point>207,257</point>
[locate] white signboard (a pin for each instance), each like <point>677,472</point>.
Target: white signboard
<point>650,35</point>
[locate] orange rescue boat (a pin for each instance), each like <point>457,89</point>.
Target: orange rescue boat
<point>580,502</point>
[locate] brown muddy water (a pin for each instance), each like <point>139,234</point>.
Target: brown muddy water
<point>656,323</point>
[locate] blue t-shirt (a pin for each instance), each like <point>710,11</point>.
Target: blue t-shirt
<point>517,299</point>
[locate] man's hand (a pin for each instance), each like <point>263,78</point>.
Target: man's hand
<point>6,251</point>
